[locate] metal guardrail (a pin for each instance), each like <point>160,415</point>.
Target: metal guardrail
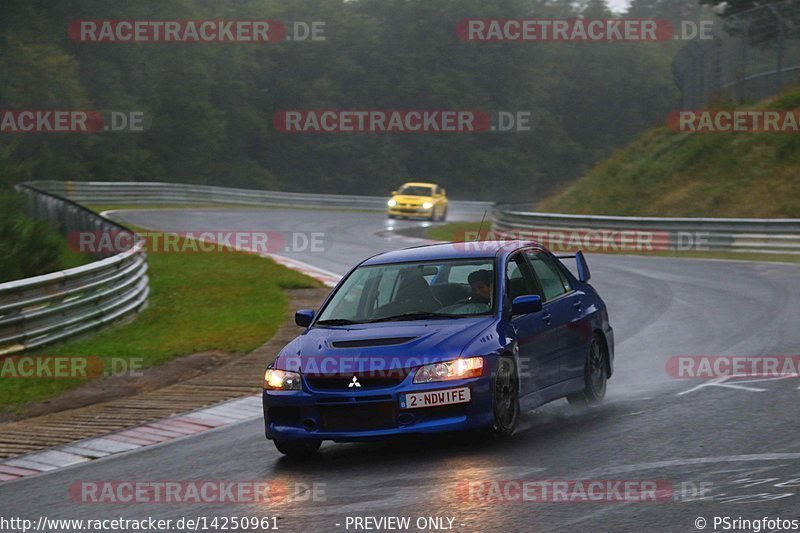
<point>40,310</point>
<point>52,307</point>
<point>610,233</point>
<point>94,192</point>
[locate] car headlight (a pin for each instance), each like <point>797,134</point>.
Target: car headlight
<point>281,380</point>
<point>391,203</point>
<point>470,367</point>
<point>427,205</point>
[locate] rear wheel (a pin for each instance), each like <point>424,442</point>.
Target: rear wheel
<point>505,398</point>
<point>444,214</point>
<point>595,376</point>
<point>298,448</point>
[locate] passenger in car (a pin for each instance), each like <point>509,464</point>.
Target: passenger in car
<point>481,283</point>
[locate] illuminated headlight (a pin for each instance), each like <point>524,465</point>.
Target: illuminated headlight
<point>281,380</point>
<point>391,203</point>
<point>471,367</point>
<point>427,205</point>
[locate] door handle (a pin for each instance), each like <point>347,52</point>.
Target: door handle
<point>546,317</point>
<point>577,304</point>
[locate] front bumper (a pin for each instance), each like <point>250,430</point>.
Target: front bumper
<point>348,415</point>
<point>409,211</point>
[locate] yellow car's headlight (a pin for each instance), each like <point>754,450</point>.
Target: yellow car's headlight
<point>470,367</point>
<point>281,380</point>
<point>392,202</point>
<point>427,205</point>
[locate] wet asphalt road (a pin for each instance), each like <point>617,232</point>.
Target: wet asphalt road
<point>717,449</point>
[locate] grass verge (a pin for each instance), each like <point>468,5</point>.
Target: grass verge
<point>669,174</point>
<point>227,301</point>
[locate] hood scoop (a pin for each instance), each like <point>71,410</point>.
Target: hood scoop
<point>365,343</point>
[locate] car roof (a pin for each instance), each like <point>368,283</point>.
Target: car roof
<point>449,250</point>
<point>420,183</point>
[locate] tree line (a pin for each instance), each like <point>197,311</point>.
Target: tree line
<point>210,107</point>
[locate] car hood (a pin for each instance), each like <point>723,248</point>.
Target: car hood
<point>368,347</point>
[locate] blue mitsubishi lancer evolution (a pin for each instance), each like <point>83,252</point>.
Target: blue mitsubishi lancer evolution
<point>455,336</point>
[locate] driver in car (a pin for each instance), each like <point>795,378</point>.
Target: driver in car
<point>481,283</point>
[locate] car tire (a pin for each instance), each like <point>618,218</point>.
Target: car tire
<point>392,217</point>
<point>595,375</point>
<point>505,398</point>
<point>444,215</point>
<point>298,448</point>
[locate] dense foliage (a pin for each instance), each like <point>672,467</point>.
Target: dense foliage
<point>29,247</point>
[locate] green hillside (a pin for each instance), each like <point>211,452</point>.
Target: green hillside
<point>665,173</point>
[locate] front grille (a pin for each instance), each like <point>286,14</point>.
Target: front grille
<point>361,417</point>
<point>387,380</point>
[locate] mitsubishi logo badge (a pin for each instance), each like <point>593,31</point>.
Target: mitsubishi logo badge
<point>354,383</point>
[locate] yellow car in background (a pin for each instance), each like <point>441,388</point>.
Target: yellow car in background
<point>415,199</point>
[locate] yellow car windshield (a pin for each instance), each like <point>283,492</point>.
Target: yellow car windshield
<point>416,190</point>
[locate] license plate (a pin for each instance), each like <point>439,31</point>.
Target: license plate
<point>415,400</point>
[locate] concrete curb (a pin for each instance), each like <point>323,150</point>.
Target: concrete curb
<point>143,435</point>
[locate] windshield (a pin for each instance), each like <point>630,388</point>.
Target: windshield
<point>416,190</point>
<point>411,291</point>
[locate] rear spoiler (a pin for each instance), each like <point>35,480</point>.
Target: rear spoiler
<point>583,268</point>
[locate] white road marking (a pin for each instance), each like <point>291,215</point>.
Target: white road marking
<point>692,461</point>
<point>722,381</point>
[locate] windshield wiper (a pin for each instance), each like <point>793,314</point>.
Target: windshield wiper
<point>337,322</point>
<point>413,316</point>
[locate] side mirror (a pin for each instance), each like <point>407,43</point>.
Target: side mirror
<point>393,193</point>
<point>304,317</point>
<point>583,268</point>
<point>524,305</point>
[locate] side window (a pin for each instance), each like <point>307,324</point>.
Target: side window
<point>554,283</point>
<point>518,279</point>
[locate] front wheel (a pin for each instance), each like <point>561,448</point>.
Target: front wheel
<point>505,398</point>
<point>595,376</point>
<point>298,448</point>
